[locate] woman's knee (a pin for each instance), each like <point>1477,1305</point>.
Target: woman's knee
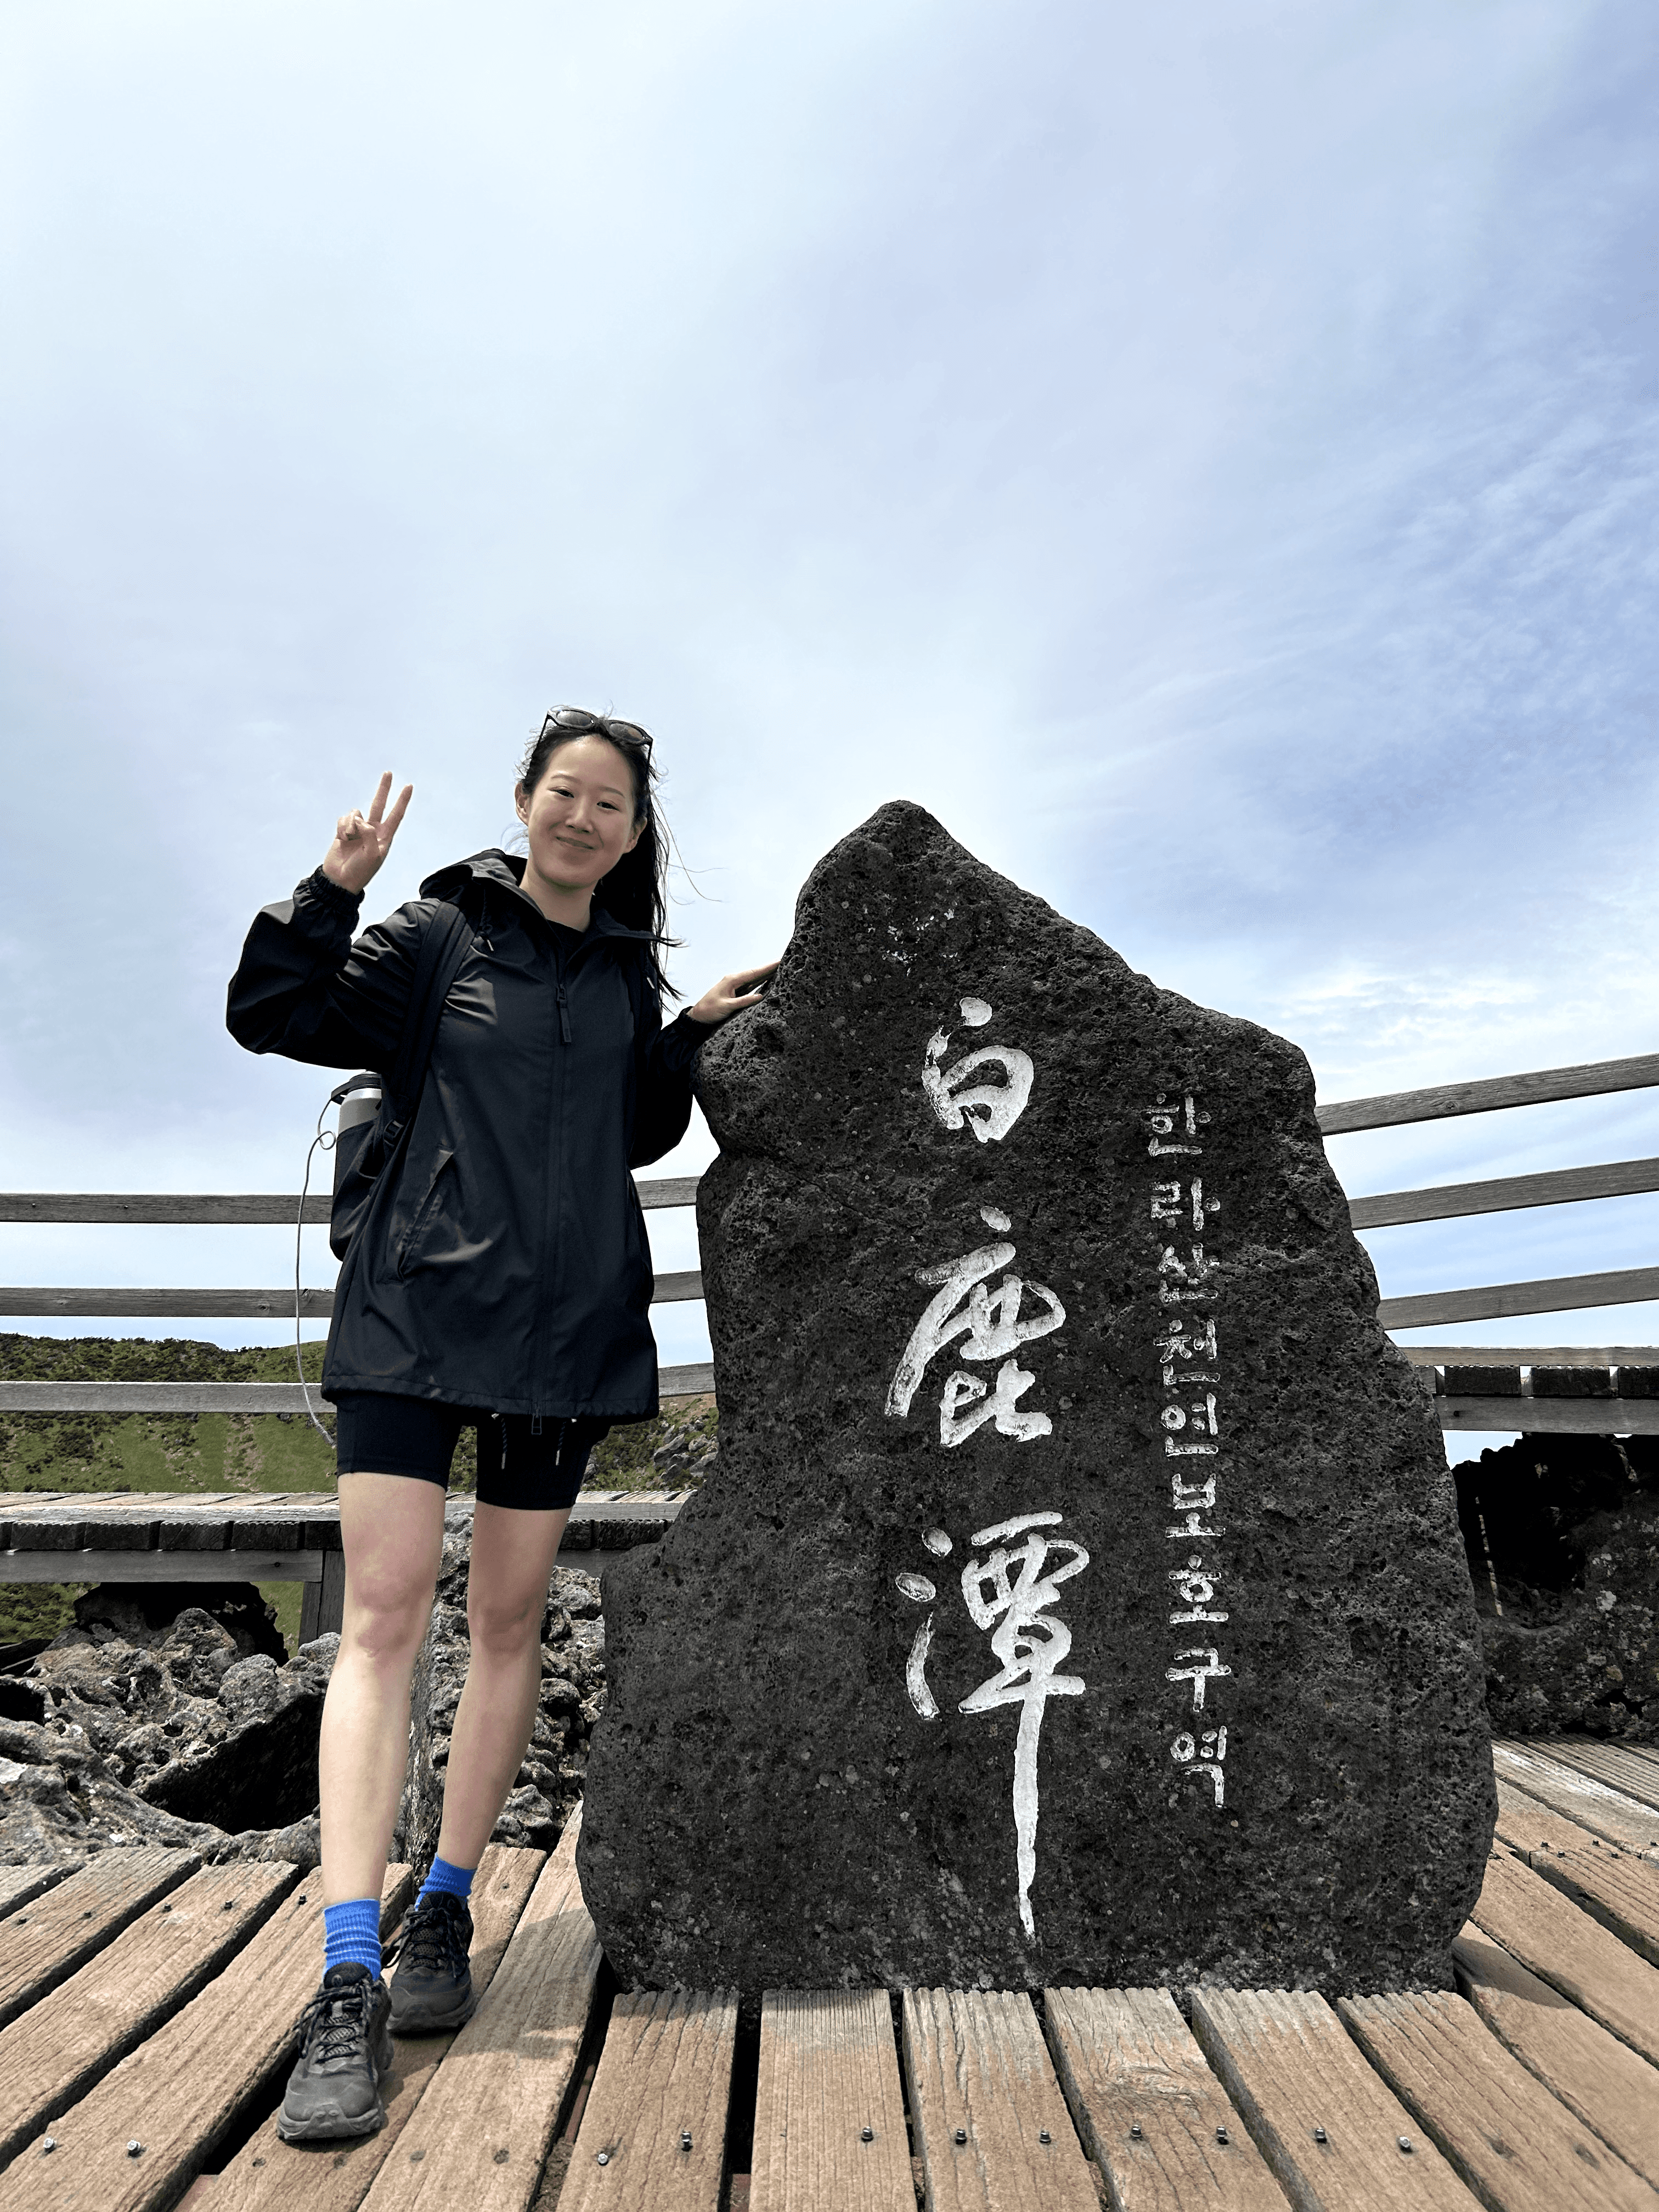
<point>387,1613</point>
<point>505,1623</point>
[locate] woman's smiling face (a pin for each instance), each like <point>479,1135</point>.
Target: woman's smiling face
<point>581,816</point>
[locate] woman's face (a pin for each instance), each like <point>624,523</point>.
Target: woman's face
<point>580,815</point>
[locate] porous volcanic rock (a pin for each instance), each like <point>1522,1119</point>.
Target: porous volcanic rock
<point>173,1732</point>
<point>1562,1537</point>
<point>1057,1437</point>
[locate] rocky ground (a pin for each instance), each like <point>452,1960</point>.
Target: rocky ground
<point>1563,1538</point>
<point>173,1714</point>
<point>149,1720</point>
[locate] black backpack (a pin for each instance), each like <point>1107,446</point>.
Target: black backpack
<point>376,1111</point>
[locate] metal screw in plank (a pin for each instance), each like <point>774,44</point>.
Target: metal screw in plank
<point>685,2138</point>
<point>49,2144</point>
<point>133,2148</point>
<point>1134,2130</point>
<point>604,2158</point>
<point>866,2135</point>
<point>1406,2144</point>
<point>1320,2135</point>
<point>1221,2134</point>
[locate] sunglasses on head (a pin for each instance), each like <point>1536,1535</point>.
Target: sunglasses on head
<point>582,724</point>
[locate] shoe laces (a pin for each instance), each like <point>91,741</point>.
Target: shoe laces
<point>431,1938</point>
<point>336,2022</point>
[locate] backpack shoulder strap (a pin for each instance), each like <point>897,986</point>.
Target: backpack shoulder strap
<point>447,938</point>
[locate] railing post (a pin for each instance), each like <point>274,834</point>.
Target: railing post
<point>331,1596</point>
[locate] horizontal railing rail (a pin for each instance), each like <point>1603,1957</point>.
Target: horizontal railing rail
<point>52,1397</point>
<point>262,1209</point>
<point>1595,1079</point>
<point>45,1300</point>
<point>1488,1302</point>
<point>1508,1193</point>
<point>1618,1286</point>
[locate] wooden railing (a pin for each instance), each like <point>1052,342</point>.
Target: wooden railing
<point>1604,1390</point>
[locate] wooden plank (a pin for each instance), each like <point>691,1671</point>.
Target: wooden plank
<point>653,2133</point>
<point>1605,1813</point>
<point>1526,1825</point>
<point>1592,1080</point>
<point>1154,2118</point>
<point>184,2090</point>
<point>98,1300</point>
<point>1559,1187</point>
<point>244,1566</point>
<point>1578,1417</point>
<point>1616,1888</point>
<point>830,2133</point>
<point>94,1301</point>
<point>478,2136</point>
<point>1618,1286</point>
<point>1601,2080</point>
<point>212,1209</point>
<point>1539,1926</point>
<point>1608,1763</point>
<point>59,1396</point>
<point>268,2175</point>
<point>695,1379</point>
<point>200,1524</point>
<point>1290,2067</point>
<point>61,2046</point>
<point>257,1209</point>
<point>992,2127</point>
<point>667,1190</point>
<point>1529,1355</point>
<point>53,1938</point>
<point>19,1885</point>
<point>125,1521</point>
<point>1508,2138</point>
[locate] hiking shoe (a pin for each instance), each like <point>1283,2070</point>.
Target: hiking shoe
<point>345,2053</point>
<point>433,1988</point>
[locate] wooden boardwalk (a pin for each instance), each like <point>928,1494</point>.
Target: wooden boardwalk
<point>145,2004</point>
<point>259,1536</point>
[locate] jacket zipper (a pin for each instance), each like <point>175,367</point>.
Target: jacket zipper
<point>555,1121</point>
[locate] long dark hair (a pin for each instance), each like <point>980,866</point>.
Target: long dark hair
<point>635,892</point>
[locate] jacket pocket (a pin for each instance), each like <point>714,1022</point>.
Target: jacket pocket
<point>408,1254</point>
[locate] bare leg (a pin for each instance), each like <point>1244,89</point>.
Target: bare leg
<point>392,1529</point>
<point>512,1555</point>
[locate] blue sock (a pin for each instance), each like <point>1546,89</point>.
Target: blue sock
<point>351,1932</point>
<point>446,1880</point>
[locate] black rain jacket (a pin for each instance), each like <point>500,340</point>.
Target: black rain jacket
<point>503,1261</point>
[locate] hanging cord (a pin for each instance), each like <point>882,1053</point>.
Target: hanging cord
<point>327,1140</point>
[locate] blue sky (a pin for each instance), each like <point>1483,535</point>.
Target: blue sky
<point>1206,455</point>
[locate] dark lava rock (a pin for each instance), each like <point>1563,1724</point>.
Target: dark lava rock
<point>142,1612</point>
<point>1563,1538</point>
<point>1079,1546</point>
<point>181,1737</point>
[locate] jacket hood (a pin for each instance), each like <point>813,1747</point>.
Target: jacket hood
<point>505,870</point>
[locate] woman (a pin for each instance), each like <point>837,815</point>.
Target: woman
<point>501,1277</point>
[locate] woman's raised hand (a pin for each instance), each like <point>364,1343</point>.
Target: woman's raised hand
<point>730,994</point>
<point>362,841</point>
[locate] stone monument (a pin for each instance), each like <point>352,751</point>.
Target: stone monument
<point>1079,1597</point>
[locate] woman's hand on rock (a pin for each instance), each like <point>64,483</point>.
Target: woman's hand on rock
<point>362,841</point>
<point>730,994</point>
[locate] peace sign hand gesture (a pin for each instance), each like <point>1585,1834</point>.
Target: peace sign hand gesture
<point>362,842</point>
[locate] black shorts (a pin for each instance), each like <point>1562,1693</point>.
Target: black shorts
<point>534,1465</point>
